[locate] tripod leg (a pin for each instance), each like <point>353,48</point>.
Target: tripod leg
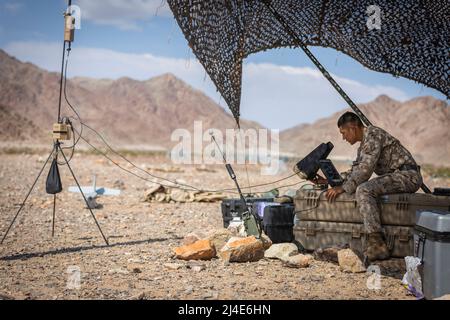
<point>84,197</point>
<point>29,192</point>
<point>54,208</point>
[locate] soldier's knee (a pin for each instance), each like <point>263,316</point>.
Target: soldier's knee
<point>362,191</point>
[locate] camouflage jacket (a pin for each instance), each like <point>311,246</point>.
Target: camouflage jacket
<point>379,152</point>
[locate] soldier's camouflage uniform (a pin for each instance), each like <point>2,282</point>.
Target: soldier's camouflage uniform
<point>383,154</point>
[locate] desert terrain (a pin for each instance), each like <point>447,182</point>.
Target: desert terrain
<point>139,262</point>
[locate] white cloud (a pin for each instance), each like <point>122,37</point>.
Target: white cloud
<point>13,7</point>
<point>124,14</point>
<point>276,96</point>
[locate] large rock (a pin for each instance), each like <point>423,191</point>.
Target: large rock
<point>190,239</point>
<point>219,237</point>
<point>281,251</point>
<point>298,261</point>
<point>242,250</point>
<point>349,261</point>
<point>199,250</point>
<point>327,254</point>
<point>267,243</point>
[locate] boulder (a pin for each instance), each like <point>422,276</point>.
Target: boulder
<point>242,250</point>
<point>281,251</point>
<point>298,261</point>
<point>199,250</point>
<point>350,262</point>
<point>190,239</point>
<point>327,254</point>
<point>219,237</point>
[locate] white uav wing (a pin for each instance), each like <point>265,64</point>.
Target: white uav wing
<point>95,190</point>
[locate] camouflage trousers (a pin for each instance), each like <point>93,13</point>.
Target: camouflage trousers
<point>368,192</point>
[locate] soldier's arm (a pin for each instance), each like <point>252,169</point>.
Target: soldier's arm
<point>370,153</point>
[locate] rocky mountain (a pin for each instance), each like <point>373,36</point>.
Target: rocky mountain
<point>126,111</point>
<point>145,113</point>
<point>421,124</point>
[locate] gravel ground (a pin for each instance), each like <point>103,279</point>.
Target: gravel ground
<point>138,264</point>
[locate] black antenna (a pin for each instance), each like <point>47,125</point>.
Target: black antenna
<point>248,212</point>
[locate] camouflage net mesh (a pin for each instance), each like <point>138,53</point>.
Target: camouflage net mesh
<point>413,41</point>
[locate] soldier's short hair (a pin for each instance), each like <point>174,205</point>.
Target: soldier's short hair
<point>349,117</point>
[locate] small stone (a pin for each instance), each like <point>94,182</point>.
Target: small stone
<point>281,251</point>
<point>298,261</point>
<point>134,268</point>
<point>119,184</point>
<point>173,266</point>
<point>197,267</point>
<point>118,271</point>
<point>350,262</point>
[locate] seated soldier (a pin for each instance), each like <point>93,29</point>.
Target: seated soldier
<point>397,172</point>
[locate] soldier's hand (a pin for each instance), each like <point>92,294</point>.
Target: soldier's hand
<point>333,193</point>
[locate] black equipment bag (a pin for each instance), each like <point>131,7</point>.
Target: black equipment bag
<point>278,222</point>
<point>53,184</point>
<point>235,207</point>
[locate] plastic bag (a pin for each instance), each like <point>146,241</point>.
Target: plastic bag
<point>412,279</point>
<point>53,184</point>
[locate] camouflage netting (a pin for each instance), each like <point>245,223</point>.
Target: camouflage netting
<point>413,41</point>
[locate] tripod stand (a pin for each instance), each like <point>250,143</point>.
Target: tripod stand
<point>56,148</point>
<point>68,38</point>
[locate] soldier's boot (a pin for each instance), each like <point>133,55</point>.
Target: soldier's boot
<point>376,248</point>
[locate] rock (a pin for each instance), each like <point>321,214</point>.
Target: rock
<point>4,296</point>
<point>327,254</point>
<point>267,243</point>
<point>173,266</point>
<point>190,239</point>
<point>198,268</point>
<point>281,251</point>
<point>298,261</point>
<point>350,262</point>
<point>195,266</point>
<point>219,237</point>
<point>199,250</point>
<point>118,271</point>
<point>134,268</point>
<point>119,184</point>
<point>237,229</point>
<point>213,295</point>
<point>242,250</point>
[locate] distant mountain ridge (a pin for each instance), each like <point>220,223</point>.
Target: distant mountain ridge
<point>421,124</point>
<point>145,113</point>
